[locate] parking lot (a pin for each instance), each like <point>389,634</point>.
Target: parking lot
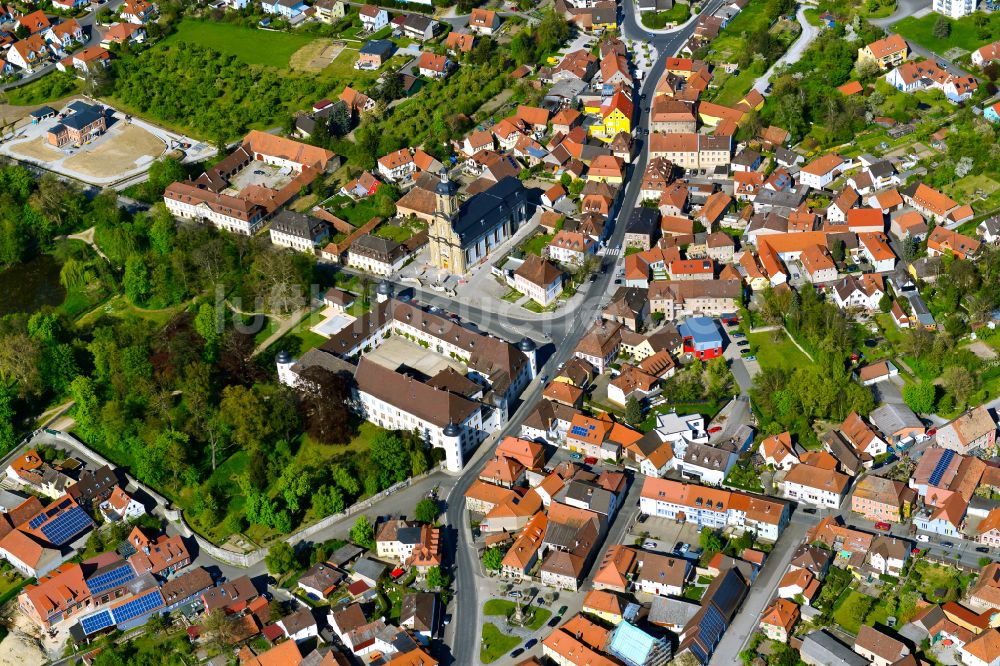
<point>662,535</point>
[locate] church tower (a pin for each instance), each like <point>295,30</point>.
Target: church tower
<point>445,245</point>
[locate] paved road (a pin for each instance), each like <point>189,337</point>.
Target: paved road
<point>464,629</point>
<point>904,8</point>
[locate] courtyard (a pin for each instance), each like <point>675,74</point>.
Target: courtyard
<point>259,174</point>
<point>395,352</point>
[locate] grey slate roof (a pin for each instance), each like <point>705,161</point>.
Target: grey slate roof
<point>821,649</point>
<point>487,210</point>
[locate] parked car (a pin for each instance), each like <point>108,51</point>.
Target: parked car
<point>751,358</point>
<point>947,544</point>
<point>591,460</point>
<point>714,429</point>
<point>575,456</point>
<point>516,652</point>
<point>932,432</point>
<point>530,644</point>
<point>739,335</point>
<point>742,343</point>
<point>809,510</point>
<point>562,610</point>
<point>514,593</point>
<point>982,549</point>
<point>649,544</point>
<point>885,527</point>
<point>923,538</point>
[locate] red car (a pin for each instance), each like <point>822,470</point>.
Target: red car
<point>715,429</point>
<point>885,527</point>
<point>932,432</point>
<point>590,461</point>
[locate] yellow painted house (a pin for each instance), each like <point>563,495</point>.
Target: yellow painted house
<point>605,605</point>
<point>616,116</point>
<point>887,53</point>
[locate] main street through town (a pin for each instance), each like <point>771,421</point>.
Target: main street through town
<point>463,632</point>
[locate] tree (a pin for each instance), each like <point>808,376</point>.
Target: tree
<point>388,452</point>
<point>209,324</point>
<point>220,628</point>
<point>8,435</point>
<point>438,579</point>
<point>942,28</point>
<point>363,534</point>
<point>709,540</point>
<point>493,559</point>
<point>280,558</point>
<point>920,397</point>
<point>885,303</point>
<point>633,411</point>
<point>427,511</point>
<point>838,251</point>
<point>328,500</point>
<point>326,405</point>
<point>959,382</point>
<point>136,280</point>
<point>339,121</point>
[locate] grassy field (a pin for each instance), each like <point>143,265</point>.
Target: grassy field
<point>254,47</point>
<point>965,189</point>
<point>782,354</point>
<point>850,610</point>
<point>49,88</point>
<point>964,32</point>
<point>495,643</point>
<point>735,88</point>
<point>731,40</point>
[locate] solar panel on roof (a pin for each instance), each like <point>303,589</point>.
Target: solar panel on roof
<point>111,579</point>
<point>941,467</point>
<point>64,527</point>
<point>38,520</point>
<point>138,607</point>
<point>578,430</point>
<point>96,622</point>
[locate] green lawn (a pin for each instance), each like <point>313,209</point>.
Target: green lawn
<point>783,354</point>
<point>966,189</point>
<point>254,47</point>
<point>735,88</point>
<point>503,608</point>
<point>495,643</point>
<point>536,244</point>
<point>850,610</point>
<point>965,34</point>
<point>936,582</point>
<point>677,14</point>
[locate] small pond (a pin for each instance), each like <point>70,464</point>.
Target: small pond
<point>28,286</point>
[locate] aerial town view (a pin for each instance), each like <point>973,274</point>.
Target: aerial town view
<point>514,332</point>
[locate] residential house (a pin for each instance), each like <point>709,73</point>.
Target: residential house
<point>943,241</point>
<point>815,486</point>
<point>374,53</point>
<point>418,27</point>
<point>779,619</point>
<point>484,21</point>
<point>887,52</point>
<point>141,11</point>
<point>433,66</point>
<point>882,500</point>
<point>972,432</point>
<point>539,279</point>
<point>820,172</point>
<point>373,18</point>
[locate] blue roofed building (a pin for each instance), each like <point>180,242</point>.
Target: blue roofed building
<point>701,337</point>
<point>635,647</point>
